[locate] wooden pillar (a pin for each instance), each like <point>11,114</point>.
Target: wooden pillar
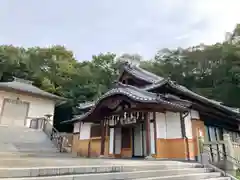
<point>155,131</point>
<point>147,127</point>
<point>114,134</point>
<point>184,136</point>
<point>102,137</point>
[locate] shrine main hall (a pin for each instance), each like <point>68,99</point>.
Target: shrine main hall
<point>147,116</point>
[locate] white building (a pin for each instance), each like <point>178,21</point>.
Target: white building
<point>20,101</point>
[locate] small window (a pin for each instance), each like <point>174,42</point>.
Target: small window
<point>95,131</point>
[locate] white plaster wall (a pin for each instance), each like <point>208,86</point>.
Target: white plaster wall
<point>138,145</point>
<point>212,134</point>
<point>1,99</point>
<point>144,142</point>
<point>85,129</point>
<point>194,114</point>
<point>111,140</point>
<point>168,125</point>
<point>188,126</point>
<point>218,134</point>
<point>206,138</point>
<point>76,127</point>
<point>118,140</point>
<point>152,138</point>
<point>38,107</point>
<point>173,125</point>
<point>161,125</point>
<point>150,115</point>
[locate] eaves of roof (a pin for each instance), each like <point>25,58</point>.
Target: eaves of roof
<point>203,99</point>
<point>133,93</point>
<point>28,88</point>
<point>85,105</point>
<point>140,73</point>
<point>188,92</point>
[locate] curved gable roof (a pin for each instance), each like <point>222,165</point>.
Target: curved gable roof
<point>134,94</point>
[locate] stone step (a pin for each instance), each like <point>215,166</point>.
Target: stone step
<point>160,167</point>
<point>56,171</point>
<point>23,139</point>
<point>63,170</point>
<point>36,154</point>
<point>141,175</point>
<point>106,171</point>
<point>21,134</point>
<point>219,178</point>
<point>65,159</point>
<point>199,176</point>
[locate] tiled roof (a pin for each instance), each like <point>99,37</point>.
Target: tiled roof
<point>143,94</point>
<point>142,74</point>
<point>135,94</point>
<point>24,87</point>
<point>155,85</point>
<point>202,98</point>
<point>189,93</point>
<point>86,105</point>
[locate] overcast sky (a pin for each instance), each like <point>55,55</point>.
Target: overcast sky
<point>89,27</point>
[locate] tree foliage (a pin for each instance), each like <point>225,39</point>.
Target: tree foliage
<point>210,70</point>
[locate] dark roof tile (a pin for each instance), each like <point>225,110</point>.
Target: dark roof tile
<point>142,74</point>
<point>24,87</point>
<point>135,94</point>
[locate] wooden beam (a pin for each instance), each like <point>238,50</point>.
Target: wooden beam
<point>184,135</point>
<point>218,115</point>
<point>102,138</point>
<point>147,126</point>
<point>219,118</point>
<point>155,131</point>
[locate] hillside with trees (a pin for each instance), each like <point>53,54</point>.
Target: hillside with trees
<point>210,70</point>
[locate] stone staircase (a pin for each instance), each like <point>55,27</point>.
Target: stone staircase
<point>30,155</point>
<point>101,169</point>
<point>24,140</point>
